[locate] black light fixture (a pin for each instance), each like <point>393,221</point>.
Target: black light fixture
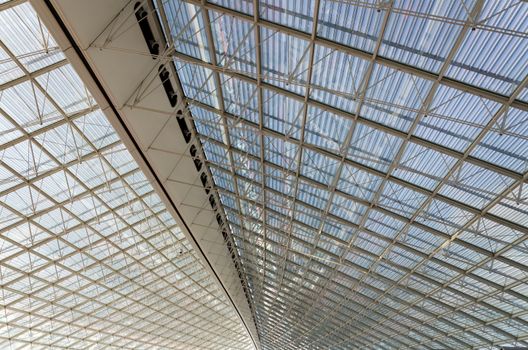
<point>142,18</point>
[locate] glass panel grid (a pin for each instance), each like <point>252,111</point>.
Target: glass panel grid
<point>386,157</point>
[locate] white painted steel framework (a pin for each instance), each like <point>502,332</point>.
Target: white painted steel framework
<point>371,158</point>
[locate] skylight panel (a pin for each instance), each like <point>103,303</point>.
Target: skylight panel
<point>279,180</point>
<point>513,206</point>
<point>294,14</point>
<point>247,167</point>
<point>304,234</point>
<point>331,245</point>
<point>337,78</point>
<point>285,60</point>
<point>382,224</point>
<point>26,160</point>
<point>373,148</point>
<point>65,143</point>
<point>347,209</point>
<point>459,256</point>
<point>198,83</point>
<point>96,128</point>
<point>216,154</point>
<point>326,130</point>
<point>65,87</point>
<point>475,186</point>
<point>339,230</point>
<point>517,254</point>
<point>369,243</point>
<point>278,203</point>
<point>505,302</point>
<point>234,43</point>
<point>240,98</point>
<point>244,6</point>
<point>8,69</point>
<point>389,271</point>
<point>524,95</point>
<point>249,190</point>
<point>425,39</point>
<point>316,197</point>
<point>444,217</point>
<point>318,167</point>
<point>21,24</point>
<point>355,26</point>
<point>395,98</point>
<point>489,235</point>
<point>207,123</point>
<point>309,216</point>
<point>23,101</point>
<point>358,183</point>
<point>403,257</point>
<point>244,138</point>
<point>401,200</point>
<point>419,238</point>
<point>282,113</point>
<point>223,179</point>
<point>504,143</point>
<point>423,166</point>
<point>8,131</point>
<point>186,28</point>
<point>280,152</point>
<point>500,273</point>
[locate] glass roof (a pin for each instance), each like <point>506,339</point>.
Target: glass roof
<point>90,257</point>
<point>371,158</point>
